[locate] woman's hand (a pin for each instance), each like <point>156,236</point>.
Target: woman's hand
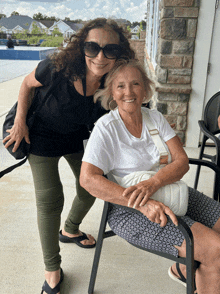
<point>16,134</point>
<point>157,212</point>
<point>140,193</point>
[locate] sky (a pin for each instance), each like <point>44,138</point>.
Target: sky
<point>132,10</point>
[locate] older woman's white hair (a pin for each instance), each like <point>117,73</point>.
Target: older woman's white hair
<point>105,95</point>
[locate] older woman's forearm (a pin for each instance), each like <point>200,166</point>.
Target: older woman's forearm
<point>172,172</point>
<point>100,187</point>
<point>91,179</point>
<point>177,168</point>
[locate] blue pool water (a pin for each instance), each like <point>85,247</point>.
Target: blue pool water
<point>25,52</point>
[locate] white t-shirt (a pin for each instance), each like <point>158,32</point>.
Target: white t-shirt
<point>113,149</point>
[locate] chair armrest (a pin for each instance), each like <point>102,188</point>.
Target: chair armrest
<point>206,163</point>
<point>182,226</point>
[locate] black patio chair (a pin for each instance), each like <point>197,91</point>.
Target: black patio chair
<point>191,265</point>
<point>209,128</point>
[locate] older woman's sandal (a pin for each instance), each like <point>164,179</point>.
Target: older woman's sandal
<point>47,289</point>
<point>181,279</point>
<point>76,240</point>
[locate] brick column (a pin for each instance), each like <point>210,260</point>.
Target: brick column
<point>138,46</point>
<point>175,59</point>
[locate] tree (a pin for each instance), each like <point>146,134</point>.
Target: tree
<point>51,18</point>
<point>52,42</point>
<point>15,13</point>
<point>35,29</point>
<point>77,20</point>
<point>67,19</point>
<point>56,32</point>
<point>141,26</point>
<point>22,35</point>
<point>2,15</point>
<point>134,24</point>
<point>38,16</point>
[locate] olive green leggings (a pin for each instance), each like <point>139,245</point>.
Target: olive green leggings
<point>50,200</point>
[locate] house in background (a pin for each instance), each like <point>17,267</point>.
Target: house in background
<point>134,31</point>
<point>17,23</point>
<point>45,25</point>
<point>67,28</point>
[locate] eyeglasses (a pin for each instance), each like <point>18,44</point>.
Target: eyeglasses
<point>110,51</point>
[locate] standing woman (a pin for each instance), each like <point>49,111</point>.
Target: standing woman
<point>60,128</point>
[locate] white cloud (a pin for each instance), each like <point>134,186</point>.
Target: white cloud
<point>8,1</point>
<point>48,1</point>
<point>62,9</point>
<point>133,10</point>
<point>123,3</point>
<point>87,3</point>
<point>84,14</point>
<point>137,13</point>
<point>23,8</point>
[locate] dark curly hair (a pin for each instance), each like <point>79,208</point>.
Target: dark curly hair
<point>71,59</point>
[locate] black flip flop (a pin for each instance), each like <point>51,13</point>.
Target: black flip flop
<point>46,288</point>
<point>76,240</point>
<point>181,279</point>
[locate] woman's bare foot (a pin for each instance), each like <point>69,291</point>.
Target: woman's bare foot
<point>52,279</point>
<point>91,240</point>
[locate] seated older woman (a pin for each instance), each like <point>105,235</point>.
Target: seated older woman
<point>121,144</point>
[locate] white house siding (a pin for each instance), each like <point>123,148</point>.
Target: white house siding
<point>61,26</point>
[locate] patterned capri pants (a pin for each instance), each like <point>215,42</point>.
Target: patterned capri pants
<point>139,230</point>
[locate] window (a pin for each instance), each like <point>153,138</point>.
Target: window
<point>153,23</point>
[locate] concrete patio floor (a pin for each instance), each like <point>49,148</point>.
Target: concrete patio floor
<point>123,268</point>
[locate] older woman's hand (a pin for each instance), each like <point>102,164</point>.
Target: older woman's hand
<point>16,134</point>
<point>157,212</point>
<point>140,193</point>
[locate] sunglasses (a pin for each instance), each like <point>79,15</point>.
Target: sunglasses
<point>110,51</point>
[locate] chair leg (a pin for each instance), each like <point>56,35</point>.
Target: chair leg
<point>216,195</point>
<point>190,270</point>
<point>190,282</point>
<point>199,166</point>
<point>98,249</point>
<point>190,287</point>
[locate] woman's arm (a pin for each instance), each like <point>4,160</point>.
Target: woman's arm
<point>20,129</point>
<point>92,179</point>
<point>141,193</point>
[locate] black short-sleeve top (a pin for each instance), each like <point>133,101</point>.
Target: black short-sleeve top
<point>65,117</point>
